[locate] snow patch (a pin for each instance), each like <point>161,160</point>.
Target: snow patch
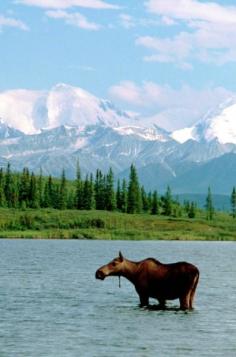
<point>183,135</point>
<point>148,134</point>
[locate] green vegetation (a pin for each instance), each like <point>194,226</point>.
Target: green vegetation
<point>44,207</point>
<point>25,190</point>
<point>74,224</point>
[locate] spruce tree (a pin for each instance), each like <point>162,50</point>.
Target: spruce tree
<point>149,198</point>
<point>187,206</point>
<point>144,198</point>
<point>118,196</point>
<point>63,192</point>
<point>14,192</point>
<point>192,210</point>
<point>88,194</point>
<point>233,202</point>
<point>167,202</point>
<point>2,184</point>
<point>155,206</point>
<point>49,199</point>
<point>9,186</point>
<point>124,197</point>
<point>99,188</point>
<point>33,192</point>
<point>209,205</point>
<point>40,189</point>
<point>134,195</point>
<point>24,186</point>
<point>110,196</point>
<point>79,188</point>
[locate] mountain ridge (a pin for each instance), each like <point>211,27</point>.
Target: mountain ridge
<point>81,126</point>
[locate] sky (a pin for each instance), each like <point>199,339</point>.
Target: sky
<point>170,60</point>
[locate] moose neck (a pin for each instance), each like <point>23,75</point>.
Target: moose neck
<point>130,270</point>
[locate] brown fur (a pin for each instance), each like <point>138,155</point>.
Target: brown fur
<point>152,279</point>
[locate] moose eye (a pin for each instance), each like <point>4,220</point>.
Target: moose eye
<point>113,264</point>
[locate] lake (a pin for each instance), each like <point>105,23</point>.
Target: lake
<point>51,304</point>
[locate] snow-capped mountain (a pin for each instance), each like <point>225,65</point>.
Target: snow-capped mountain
<point>30,111</point>
<point>219,124</point>
<point>52,130</point>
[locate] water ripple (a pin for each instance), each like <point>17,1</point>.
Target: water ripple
<point>51,304</point>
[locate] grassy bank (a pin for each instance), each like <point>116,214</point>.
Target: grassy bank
<point>72,224</point>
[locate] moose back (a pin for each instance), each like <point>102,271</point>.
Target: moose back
<point>152,279</point>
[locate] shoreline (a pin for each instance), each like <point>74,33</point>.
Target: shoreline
<point>103,225</point>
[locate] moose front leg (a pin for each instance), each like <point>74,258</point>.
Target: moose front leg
<point>144,300</point>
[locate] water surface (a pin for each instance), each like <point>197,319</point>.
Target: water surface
<point>51,304</point>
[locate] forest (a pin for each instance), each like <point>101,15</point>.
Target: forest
<point>27,190</point>
<point>99,207</point>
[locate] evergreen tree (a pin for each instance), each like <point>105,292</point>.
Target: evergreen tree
<point>88,201</point>
<point>149,199</point>
<point>144,197</point>
<point>110,196</point>
<point>155,206</point>
<point>40,189</point>
<point>187,206</point>
<point>233,202</point>
<point>2,185</point>
<point>192,210</point>
<point>176,208</point>
<point>167,202</point>
<point>56,196</point>
<point>62,199</point>
<point>99,188</point>
<point>9,190</point>
<point>124,197</point>
<point>14,192</point>
<point>209,205</point>
<point>79,188</point>
<point>24,186</point>
<point>92,193</point>
<point>33,193</point>
<point>49,194</point>
<point>118,196</point>
<point>71,200</point>
<point>134,196</point>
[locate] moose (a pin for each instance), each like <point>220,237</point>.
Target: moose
<point>153,279</point>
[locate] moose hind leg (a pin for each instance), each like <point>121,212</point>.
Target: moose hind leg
<point>184,302</point>
<point>192,293</point>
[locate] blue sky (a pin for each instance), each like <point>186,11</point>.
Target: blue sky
<point>148,56</point>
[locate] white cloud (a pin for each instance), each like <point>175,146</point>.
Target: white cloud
<point>193,10</point>
<point>209,35</point>
<point>17,109</point>
<point>127,21</point>
<point>66,4</point>
<point>74,19</point>
<point>11,22</point>
<point>170,108</point>
<point>127,91</point>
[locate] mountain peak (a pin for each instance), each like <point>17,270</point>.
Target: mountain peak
<point>7,131</point>
<point>63,104</point>
<point>218,124</point>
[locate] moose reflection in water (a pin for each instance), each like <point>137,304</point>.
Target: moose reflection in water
<point>152,279</point>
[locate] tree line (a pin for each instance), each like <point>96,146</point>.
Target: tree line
<point>27,190</point>
<point>99,191</point>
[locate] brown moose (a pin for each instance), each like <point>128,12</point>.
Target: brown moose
<point>152,279</point>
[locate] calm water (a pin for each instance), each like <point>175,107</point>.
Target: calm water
<point>51,304</point>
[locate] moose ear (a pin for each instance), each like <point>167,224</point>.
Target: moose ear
<point>121,256</point>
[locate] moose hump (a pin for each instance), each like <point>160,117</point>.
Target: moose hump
<point>153,279</point>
